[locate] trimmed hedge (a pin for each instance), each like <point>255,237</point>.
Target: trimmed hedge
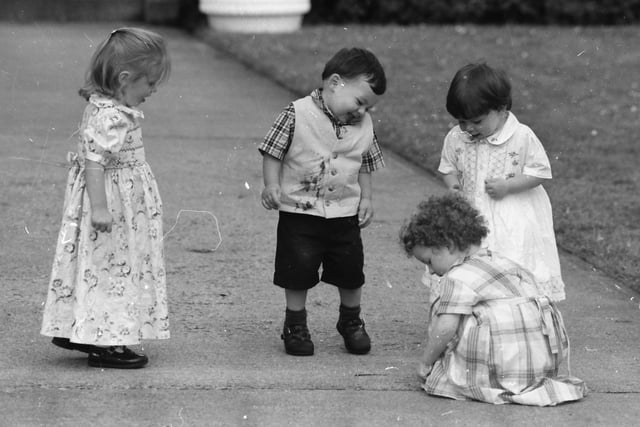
<point>406,12</point>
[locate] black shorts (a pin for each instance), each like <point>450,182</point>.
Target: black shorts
<point>307,242</point>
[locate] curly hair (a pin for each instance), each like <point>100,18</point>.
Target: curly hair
<point>444,221</point>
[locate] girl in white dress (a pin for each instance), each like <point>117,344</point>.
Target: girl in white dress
<point>500,165</point>
<point>108,285</point>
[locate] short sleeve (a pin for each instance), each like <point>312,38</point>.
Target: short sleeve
<point>449,155</point>
<point>104,134</point>
<point>536,162</point>
<point>278,140</point>
<point>456,297</point>
<point>372,160</point>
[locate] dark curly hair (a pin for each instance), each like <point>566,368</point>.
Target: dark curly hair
<point>444,221</point>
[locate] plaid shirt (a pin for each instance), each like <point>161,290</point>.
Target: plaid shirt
<point>277,141</point>
<point>510,342</point>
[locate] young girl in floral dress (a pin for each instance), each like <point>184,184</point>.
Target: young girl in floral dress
<point>494,336</point>
<point>500,165</point>
<point>107,289</point>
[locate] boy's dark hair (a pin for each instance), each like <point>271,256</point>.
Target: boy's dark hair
<point>444,221</point>
<point>477,89</point>
<point>353,62</point>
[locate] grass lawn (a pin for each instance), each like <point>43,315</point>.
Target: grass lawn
<point>577,88</point>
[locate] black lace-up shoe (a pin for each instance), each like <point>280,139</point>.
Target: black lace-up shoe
<point>297,340</point>
<point>117,357</point>
<point>66,344</point>
<point>355,337</point>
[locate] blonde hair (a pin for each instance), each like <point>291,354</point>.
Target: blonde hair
<point>138,51</point>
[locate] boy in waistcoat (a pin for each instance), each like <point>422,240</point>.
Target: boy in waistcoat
<point>317,164</point>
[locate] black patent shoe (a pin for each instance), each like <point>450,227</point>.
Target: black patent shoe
<point>68,345</point>
<point>118,358</point>
<point>356,339</point>
<point>297,340</point>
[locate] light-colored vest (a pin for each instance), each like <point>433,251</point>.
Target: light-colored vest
<point>319,174</point>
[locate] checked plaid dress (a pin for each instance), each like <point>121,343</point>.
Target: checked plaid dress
<point>511,340</point>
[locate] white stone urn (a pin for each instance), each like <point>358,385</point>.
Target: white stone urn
<point>255,16</point>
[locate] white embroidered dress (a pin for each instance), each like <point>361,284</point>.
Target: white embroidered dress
<point>520,225</point>
<point>109,288</point>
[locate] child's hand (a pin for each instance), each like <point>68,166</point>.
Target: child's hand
<point>423,370</point>
<point>101,220</point>
<point>456,188</point>
<point>365,212</point>
<point>496,188</point>
<point>271,197</point>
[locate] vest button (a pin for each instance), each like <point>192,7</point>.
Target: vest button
<point>334,172</point>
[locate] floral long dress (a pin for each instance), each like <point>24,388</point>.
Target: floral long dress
<point>520,225</point>
<point>109,288</point>
<point>511,341</point>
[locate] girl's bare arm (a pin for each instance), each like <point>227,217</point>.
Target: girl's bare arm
<point>100,217</point>
<point>451,181</point>
<point>498,188</point>
<point>441,333</point>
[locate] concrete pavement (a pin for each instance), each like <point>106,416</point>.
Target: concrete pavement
<point>225,364</point>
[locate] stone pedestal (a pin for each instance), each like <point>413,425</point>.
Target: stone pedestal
<point>255,16</point>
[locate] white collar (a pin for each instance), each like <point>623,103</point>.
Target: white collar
<point>500,137</point>
<point>101,101</point>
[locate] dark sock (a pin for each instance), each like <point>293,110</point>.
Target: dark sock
<point>349,313</point>
<point>295,317</point>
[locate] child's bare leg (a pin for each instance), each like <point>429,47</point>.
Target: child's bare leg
<point>350,297</point>
<point>296,300</point>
